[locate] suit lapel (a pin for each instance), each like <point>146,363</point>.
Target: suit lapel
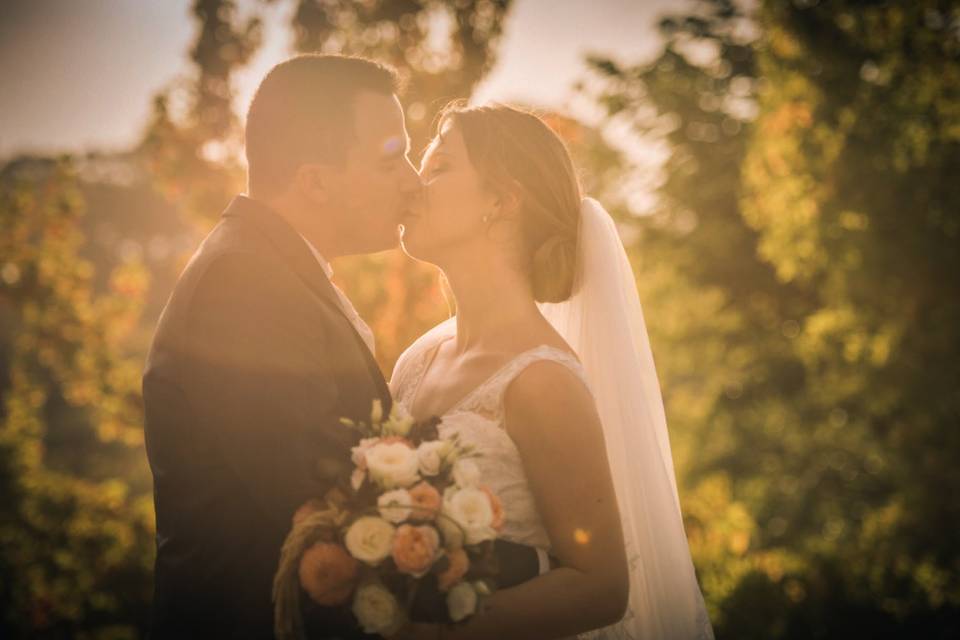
<point>296,253</point>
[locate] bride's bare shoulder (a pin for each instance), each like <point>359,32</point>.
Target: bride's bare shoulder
<point>549,396</point>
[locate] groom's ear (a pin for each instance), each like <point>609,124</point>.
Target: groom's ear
<point>313,181</point>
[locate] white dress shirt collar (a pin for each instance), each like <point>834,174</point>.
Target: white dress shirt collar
<point>366,334</point>
<point>316,254</point>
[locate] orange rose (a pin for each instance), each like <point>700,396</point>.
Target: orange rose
<point>426,501</point>
<point>496,506</point>
<point>459,563</point>
<point>415,548</point>
<point>328,573</point>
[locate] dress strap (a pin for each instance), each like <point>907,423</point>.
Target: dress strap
<point>488,398</point>
<point>411,364</point>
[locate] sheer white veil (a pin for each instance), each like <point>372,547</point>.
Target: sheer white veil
<point>603,322</point>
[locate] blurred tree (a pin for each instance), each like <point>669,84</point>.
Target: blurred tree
<point>799,281</point>
<point>441,49</point>
<point>76,552</point>
<point>193,142</point>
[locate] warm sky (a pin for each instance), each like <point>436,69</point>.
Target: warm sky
<point>79,74</point>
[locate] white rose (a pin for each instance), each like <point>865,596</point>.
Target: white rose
<point>377,610</point>
<point>358,454</point>
<point>370,539</point>
<point>431,455</point>
<point>395,505</point>
<point>466,473</point>
<point>393,464</point>
<point>471,509</point>
<point>461,601</point>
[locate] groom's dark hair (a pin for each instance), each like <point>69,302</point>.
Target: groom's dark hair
<point>303,112</point>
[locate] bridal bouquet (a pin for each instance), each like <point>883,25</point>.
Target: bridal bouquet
<point>409,524</point>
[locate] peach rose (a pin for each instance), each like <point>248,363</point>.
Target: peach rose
<point>459,563</point>
<point>426,501</point>
<point>415,548</point>
<point>496,506</point>
<point>328,573</point>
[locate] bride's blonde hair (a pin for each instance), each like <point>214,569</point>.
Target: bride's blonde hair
<point>514,150</point>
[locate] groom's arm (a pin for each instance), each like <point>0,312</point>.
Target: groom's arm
<point>258,380</point>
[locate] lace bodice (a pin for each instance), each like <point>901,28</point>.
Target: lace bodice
<point>478,418</point>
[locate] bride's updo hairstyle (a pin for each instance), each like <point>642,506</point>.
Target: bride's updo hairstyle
<point>513,150</point>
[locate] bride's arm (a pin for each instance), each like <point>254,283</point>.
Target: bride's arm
<point>553,421</point>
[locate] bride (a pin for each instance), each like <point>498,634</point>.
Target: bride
<point>546,369</point>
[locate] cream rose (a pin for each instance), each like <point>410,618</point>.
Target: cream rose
<point>395,506</point>
<point>393,464</point>
<point>461,601</point>
<point>377,610</point>
<point>471,508</point>
<point>370,539</point>
<point>466,473</point>
<point>431,456</point>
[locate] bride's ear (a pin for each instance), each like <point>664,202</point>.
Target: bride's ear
<point>313,181</point>
<point>507,202</point>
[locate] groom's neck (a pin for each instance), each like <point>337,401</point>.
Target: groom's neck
<point>307,222</point>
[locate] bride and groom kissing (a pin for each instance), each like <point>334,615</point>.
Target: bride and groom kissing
<point>545,369</point>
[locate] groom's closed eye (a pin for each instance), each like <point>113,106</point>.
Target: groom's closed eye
<point>394,149</point>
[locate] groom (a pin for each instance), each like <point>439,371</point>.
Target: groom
<point>258,355</point>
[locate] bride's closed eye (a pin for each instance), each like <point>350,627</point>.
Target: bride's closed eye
<point>436,170</point>
<point>432,169</point>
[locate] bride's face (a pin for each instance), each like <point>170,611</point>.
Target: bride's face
<point>454,202</point>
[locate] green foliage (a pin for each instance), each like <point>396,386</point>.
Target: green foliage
<point>76,550</point>
<point>441,49</point>
<point>193,142</point>
<point>799,279</point>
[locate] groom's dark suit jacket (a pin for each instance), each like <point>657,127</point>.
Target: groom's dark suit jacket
<point>251,368</point>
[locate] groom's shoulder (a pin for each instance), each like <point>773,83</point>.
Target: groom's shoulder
<point>231,250</point>
<point>230,262</point>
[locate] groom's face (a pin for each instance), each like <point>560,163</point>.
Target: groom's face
<point>374,189</point>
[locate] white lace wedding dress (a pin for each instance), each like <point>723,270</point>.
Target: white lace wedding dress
<point>478,419</point>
